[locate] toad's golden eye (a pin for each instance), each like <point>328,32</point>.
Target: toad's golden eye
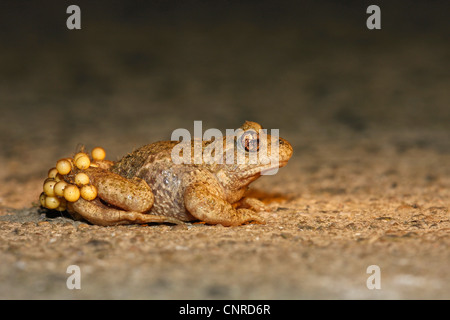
<point>250,141</point>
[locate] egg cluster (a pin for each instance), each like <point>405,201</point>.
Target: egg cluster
<point>57,192</point>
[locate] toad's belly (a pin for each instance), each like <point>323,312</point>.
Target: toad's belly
<point>167,188</point>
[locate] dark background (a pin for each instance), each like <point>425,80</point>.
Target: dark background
<point>139,69</point>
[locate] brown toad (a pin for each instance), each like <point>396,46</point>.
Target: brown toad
<point>148,186</point>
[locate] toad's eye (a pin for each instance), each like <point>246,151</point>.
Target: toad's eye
<point>250,141</point>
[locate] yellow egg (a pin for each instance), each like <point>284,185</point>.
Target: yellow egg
<point>81,179</point>
<point>42,199</point>
<point>52,173</point>
<point>48,179</point>
<point>89,192</point>
<point>71,193</point>
<point>59,188</point>
<point>63,205</point>
<point>82,162</point>
<point>59,177</point>
<point>52,202</point>
<point>49,185</point>
<point>98,153</point>
<point>63,166</point>
<point>79,154</point>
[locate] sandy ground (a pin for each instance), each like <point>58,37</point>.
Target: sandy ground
<point>366,112</point>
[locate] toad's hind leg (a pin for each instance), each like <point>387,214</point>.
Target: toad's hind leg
<point>127,194</point>
<point>97,213</point>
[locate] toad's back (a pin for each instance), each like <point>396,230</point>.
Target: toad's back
<point>130,164</point>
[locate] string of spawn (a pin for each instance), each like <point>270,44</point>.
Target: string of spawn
<point>57,192</point>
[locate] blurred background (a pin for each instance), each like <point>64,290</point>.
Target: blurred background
<point>139,69</point>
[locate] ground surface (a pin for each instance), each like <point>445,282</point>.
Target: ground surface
<point>367,114</point>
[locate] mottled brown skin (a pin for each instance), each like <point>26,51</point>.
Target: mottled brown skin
<point>146,186</point>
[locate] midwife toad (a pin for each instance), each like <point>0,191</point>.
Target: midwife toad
<point>148,186</point>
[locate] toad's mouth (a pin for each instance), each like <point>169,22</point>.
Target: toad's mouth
<point>253,173</point>
<point>276,165</point>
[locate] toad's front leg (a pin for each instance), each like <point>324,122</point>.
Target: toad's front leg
<point>126,200</point>
<point>205,202</point>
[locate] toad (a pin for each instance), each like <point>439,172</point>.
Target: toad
<point>148,186</point>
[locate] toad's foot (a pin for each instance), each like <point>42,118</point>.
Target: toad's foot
<point>97,213</point>
<point>253,204</point>
<point>206,205</point>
